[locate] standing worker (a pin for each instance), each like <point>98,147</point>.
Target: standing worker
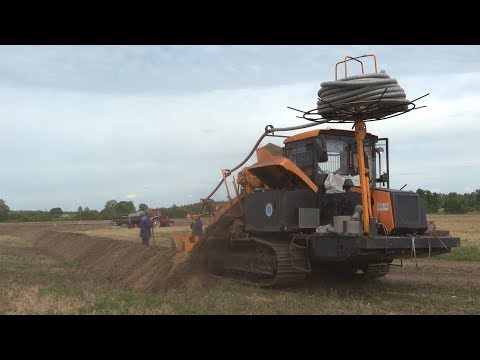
<point>196,226</point>
<point>146,229</point>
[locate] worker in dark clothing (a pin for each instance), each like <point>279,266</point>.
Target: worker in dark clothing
<point>146,229</point>
<point>197,226</point>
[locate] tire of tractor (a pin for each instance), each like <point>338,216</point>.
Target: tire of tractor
<point>156,223</point>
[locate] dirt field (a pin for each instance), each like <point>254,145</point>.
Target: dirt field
<point>98,249</point>
<point>62,269</point>
<point>467,226</point>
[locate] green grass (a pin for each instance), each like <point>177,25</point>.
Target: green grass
<point>466,253</point>
<point>55,291</point>
<point>163,239</point>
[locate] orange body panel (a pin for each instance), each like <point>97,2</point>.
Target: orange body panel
<point>304,135</point>
<point>179,241</point>
<point>276,167</point>
<point>360,132</point>
<point>382,207</point>
<point>190,242</point>
<point>184,242</point>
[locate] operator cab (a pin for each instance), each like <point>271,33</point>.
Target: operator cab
<point>330,156</point>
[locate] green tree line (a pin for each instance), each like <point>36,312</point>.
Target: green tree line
<point>451,203</point>
<point>111,210</point>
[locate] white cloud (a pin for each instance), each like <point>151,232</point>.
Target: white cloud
<point>123,128</point>
<point>231,68</point>
<point>255,68</point>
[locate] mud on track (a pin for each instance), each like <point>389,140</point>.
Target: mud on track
<point>131,265</point>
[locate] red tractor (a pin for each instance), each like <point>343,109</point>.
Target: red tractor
<point>133,219</point>
<point>161,220</point>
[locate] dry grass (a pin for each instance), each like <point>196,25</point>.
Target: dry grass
<point>9,240</point>
<point>20,300</point>
<point>466,226</point>
<point>34,283</point>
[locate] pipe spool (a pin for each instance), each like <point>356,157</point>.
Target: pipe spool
<point>366,96</point>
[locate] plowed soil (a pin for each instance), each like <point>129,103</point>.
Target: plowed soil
<point>153,268</point>
<point>131,265</point>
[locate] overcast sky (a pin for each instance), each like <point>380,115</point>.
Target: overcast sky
<point>81,125</point>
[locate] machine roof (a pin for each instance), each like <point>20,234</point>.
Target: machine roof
<point>314,133</point>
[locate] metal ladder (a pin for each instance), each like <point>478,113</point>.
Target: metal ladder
<point>304,248</point>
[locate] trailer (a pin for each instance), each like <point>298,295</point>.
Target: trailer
<point>134,219</point>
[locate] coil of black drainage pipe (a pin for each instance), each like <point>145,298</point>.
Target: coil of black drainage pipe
<point>367,87</point>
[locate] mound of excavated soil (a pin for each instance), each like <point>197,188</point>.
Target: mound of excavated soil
<point>131,265</point>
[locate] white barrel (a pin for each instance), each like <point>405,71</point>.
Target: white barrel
<point>354,227</point>
<point>338,223</point>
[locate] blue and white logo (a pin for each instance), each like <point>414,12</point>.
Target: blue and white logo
<point>269,209</point>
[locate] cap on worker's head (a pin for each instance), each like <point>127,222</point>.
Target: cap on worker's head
<point>150,213</point>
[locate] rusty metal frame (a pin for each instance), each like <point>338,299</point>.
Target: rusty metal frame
<point>349,58</point>
<point>224,176</point>
<point>237,193</point>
